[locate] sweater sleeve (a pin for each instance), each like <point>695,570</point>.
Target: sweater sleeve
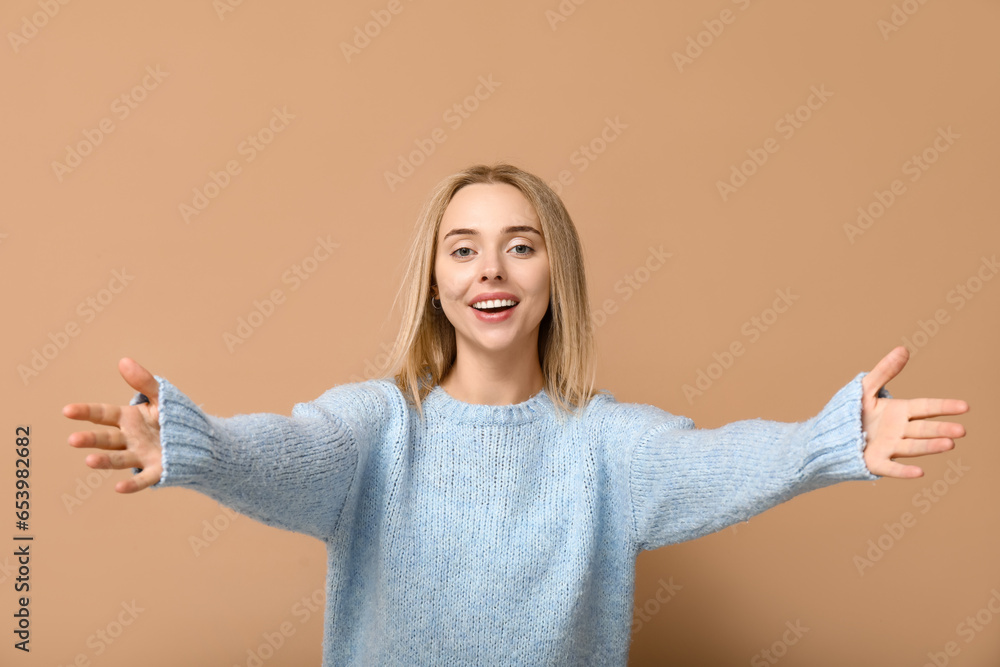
<point>292,472</point>
<point>686,482</point>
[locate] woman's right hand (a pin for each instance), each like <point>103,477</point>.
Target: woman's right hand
<point>135,443</point>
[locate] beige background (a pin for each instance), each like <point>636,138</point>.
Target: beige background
<point>62,237</point>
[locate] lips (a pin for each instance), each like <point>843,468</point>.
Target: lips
<point>498,314</point>
<point>491,296</point>
<point>498,309</point>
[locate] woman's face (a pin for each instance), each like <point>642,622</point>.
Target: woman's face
<point>490,241</point>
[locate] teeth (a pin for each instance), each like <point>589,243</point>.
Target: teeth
<point>495,303</point>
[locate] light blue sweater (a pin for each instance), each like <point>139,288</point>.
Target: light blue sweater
<point>493,535</point>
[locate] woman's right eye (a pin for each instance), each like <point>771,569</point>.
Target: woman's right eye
<point>462,248</point>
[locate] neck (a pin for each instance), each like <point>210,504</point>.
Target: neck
<point>494,379</point>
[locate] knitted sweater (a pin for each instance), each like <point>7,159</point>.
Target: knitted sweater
<point>493,534</point>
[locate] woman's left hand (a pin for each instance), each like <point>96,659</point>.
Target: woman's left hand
<point>895,427</point>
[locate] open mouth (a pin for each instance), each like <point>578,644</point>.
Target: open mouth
<point>498,309</point>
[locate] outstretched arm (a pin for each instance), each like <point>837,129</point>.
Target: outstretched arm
<point>686,482</point>
<point>289,472</point>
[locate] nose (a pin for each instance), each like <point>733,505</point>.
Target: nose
<point>491,266</point>
<point>488,274</point>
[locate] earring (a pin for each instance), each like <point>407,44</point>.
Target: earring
<point>438,306</point>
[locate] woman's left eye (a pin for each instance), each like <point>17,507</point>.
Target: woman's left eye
<point>529,251</point>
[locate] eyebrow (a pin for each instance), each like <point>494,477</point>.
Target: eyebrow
<point>524,229</point>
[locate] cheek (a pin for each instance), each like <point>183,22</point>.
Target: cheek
<point>542,279</point>
<point>446,281</point>
<point>450,290</point>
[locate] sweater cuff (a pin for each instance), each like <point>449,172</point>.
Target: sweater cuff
<point>842,414</point>
<point>185,436</point>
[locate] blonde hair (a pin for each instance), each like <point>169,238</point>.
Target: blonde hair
<point>425,347</point>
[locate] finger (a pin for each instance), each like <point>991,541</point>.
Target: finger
<point>116,460</point>
<point>100,439</point>
<point>922,447</point>
<point>99,413</point>
<point>886,369</point>
<point>139,378</point>
<point>139,481</point>
<point>931,429</point>
<point>919,408</point>
<point>893,469</point>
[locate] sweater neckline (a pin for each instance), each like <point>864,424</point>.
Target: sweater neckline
<point>452,409</point>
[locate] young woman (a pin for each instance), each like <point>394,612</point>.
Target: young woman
<point>484,504</point>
